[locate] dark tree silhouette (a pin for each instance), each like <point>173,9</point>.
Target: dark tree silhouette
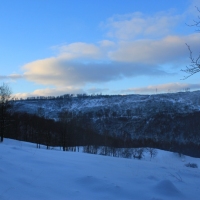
<point>5,93</point>
<point>64,118</point>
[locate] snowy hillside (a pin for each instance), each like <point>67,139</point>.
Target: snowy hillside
<point>117,105</point>
<point>167,121</point>
<point>30,173</point>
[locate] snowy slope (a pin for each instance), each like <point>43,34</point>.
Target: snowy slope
<point>30,173</point>
<point>181,102</point>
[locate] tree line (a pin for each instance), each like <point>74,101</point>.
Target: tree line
<point>71,132</point>
<point>65,96</point>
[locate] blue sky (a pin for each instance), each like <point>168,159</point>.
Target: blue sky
<point>53,47</point>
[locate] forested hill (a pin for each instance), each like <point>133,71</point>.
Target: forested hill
<point>162,118</point>
<point>101,106</point>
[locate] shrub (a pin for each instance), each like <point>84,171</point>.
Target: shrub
<point>138,153</point>
<point>127,153</point>
<point>153,152</point>
<point>192,165</point>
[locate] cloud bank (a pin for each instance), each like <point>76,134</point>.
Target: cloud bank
<point>79,64</point>
<point>162,88</point>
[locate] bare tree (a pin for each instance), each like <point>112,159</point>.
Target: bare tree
<point>138,153</point>
<point>65,117</point>
<point>153,152</point>
<point>5,94</point>
<point>39,133</point>
<point>194,66</point>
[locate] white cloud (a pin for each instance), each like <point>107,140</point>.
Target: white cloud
<point>107,43</point>
<point>76,66</point>
<point>60,91</point>
<point>129,26</point>
<point>79,50</point>
<point>166,50</point>
<point>168,87</point>
<point>151,89</point>
<point>59,72</point>
<point>12,77</point>
<point>50,92</point>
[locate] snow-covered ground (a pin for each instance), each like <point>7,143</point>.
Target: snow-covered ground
<point>29,173</point>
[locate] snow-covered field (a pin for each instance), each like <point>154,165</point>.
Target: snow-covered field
<point>30,173</point>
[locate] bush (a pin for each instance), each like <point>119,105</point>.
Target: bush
<point>192,165</point>
<point>138,153</point>
<point>153,152</point>
<point>127,153</point>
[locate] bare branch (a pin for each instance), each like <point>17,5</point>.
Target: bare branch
<point>197,9</point>
<point>196,22</point>
<point>194,64</point>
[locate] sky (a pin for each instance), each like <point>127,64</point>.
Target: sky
<point>55,47</point>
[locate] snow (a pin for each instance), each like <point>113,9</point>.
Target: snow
<point>182,102</point>
<point>30,173</point>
